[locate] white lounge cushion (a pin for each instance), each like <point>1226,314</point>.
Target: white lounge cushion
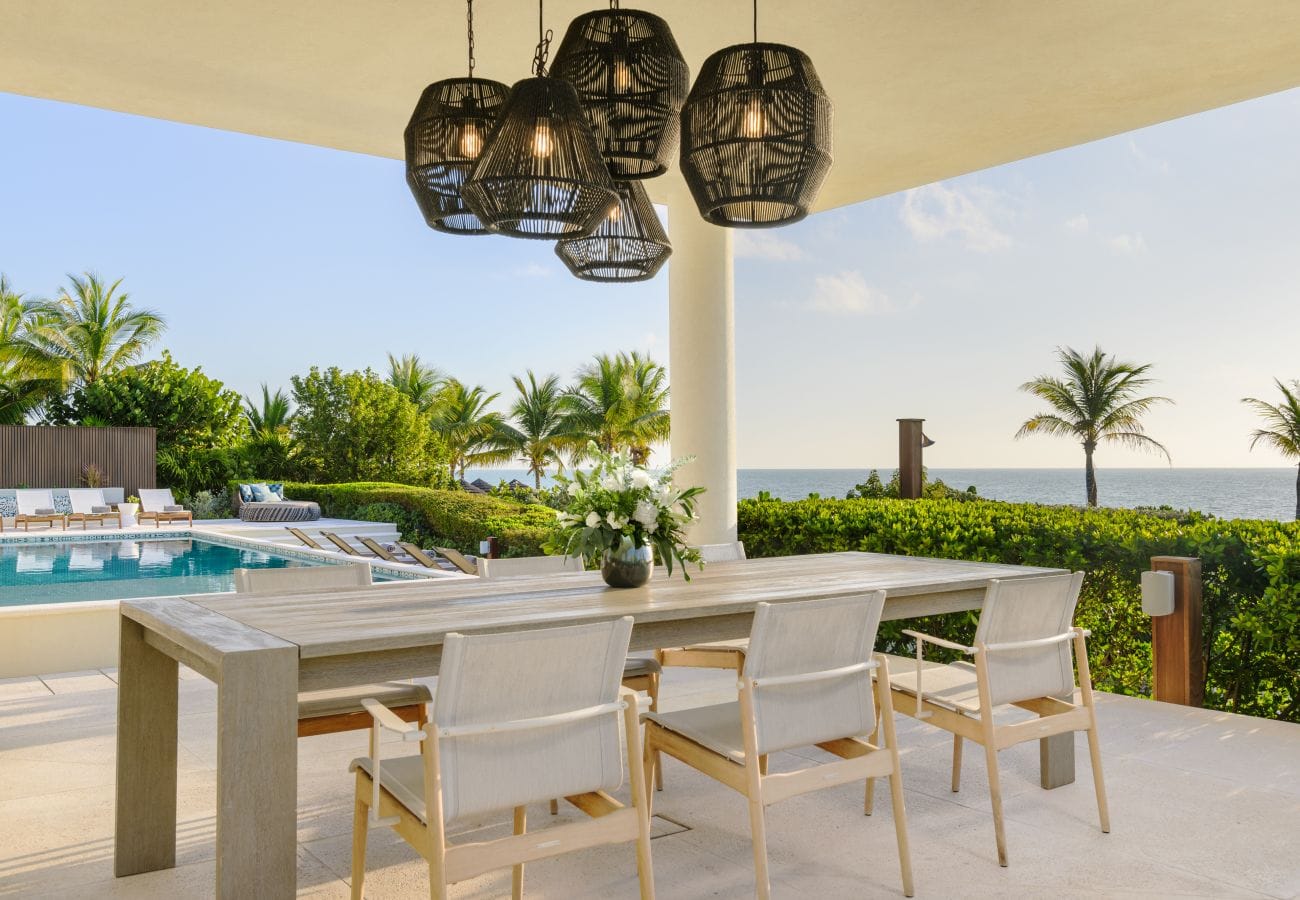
<point>952,686</point>
<point>313,704</point>
<point>401,776</point>
<point>716,727</point>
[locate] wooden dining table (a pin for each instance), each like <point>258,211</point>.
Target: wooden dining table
<point>262,649</point>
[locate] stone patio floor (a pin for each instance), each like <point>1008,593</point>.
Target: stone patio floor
<point>1203,804</point>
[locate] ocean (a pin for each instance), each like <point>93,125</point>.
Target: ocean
<point>1226,493</point>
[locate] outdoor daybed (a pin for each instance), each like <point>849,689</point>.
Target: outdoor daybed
<point>266,503</point>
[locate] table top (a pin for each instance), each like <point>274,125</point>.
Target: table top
<point>332,622</point>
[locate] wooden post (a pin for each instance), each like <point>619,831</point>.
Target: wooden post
<point>909,458</point>
<point>1176,645</point>
<point>491,548</point>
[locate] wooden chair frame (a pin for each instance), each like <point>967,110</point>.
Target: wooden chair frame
<point>457,559</point>
<point>1055,716</point>
<point>379,550</point>
<point>710,656</point>
<point>611,822</point>
<point>28,519</point>
<point>160,517</point>
<point>420,556</point>
<point>344,546</point>
<point>87,517</point>
<point>859,760</point>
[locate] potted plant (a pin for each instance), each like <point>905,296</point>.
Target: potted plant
<point>129,509</point>
<point>624,515</point>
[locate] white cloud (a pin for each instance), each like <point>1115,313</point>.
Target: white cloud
<point>848,294</point>
<point>937,211</point>
<point>1148,162</point>
<point>1128,244</point>
<point>1076,224</point>
<point>765,245</point>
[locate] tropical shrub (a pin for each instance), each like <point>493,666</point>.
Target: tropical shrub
<point>435,517</point>
<point>355,426</point>
<point>1251,572</point>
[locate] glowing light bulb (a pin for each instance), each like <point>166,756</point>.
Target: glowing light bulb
<point>616,213</point>
<point>622,76</point>
<point>753,124</point>
<point>471,141</point>
<point>543,142</point>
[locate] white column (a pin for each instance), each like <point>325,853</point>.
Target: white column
<point>701,358</point>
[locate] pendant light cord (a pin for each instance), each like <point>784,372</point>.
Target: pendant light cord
<point>755,21</point>
<point>470,17</point>
<point>544,36</point>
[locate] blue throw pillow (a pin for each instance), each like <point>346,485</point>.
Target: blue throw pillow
<point>263,494</point>
<point>277,489</point>
<point>246,493</point>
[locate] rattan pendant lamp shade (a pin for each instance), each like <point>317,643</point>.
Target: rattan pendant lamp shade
<point>632,80</point>
<point>756,135</point>
<point>629,245</point>
<point>444,139</point>
<point>541,174</point>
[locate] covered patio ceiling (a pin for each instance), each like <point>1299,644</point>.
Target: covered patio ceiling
<point>924,89</point>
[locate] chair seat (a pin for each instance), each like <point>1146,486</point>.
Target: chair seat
<point>952,686</point>
<point>393,694</point>
<point>716,727</point>
<point>741,644</point>
<point>401,776</point>
<point>638,666</point>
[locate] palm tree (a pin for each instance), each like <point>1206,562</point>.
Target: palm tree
<point>619,402</point>
<point>541,428</point>
<point>92,329</point>
<point>473,434</point>
<point>1283,427</point>
<point>271,419</point>
<point>418,382</point>
<point>26,379</point>
<point>1096,401</point>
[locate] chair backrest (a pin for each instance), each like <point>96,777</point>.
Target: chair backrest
<point>491,679</point>
<point>1029,609</point>
<point>292,578</point>
<point>30,500</point>
<point>729,552</point>
<point>154,500</point>
<point>807,637</point>
<point>527,565</point>
<point>457,559</point>
<point>84,500</point>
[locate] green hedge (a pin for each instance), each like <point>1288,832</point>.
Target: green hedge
<point>427,516</point>
<point>1251,571</point>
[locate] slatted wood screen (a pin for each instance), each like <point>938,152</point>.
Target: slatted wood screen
<point>42,456</point>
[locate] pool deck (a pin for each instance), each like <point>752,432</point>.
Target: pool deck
<point>1203,804</point>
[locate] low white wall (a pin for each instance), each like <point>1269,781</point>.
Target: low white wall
<point>66,637</point>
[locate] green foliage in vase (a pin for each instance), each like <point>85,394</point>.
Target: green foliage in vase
<point>619,500</point>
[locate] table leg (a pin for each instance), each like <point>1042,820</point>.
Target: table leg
<point>145,826</point>
<point>1056,757</point>
<point>257,774</point>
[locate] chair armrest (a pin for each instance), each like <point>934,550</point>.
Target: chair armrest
<point>386,718</point>
<point>940,642</point>
<point>1031,644</point>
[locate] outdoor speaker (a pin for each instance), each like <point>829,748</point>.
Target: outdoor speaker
<point>1157,593</point>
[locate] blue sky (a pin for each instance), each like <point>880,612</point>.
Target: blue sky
<point>1174,245</point>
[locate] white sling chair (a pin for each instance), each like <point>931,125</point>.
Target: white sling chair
<point>334,710</point>
<point>1021,658</point>
<point>807,682</point>
<point>499,742</point>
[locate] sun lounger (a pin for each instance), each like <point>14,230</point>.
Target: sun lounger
<point>380,550</point>
<point>424,559</point>
<point>306,540</point>
<point>457,559</point>
<point>344,545</point>
<point>159,506</point>
<point>36,507</point>
<point>89,505</point>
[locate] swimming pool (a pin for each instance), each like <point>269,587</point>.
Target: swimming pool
<point>74,571</point>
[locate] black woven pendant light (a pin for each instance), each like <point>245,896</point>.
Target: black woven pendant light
<point>541,174</point>
<point>629,245</point>
<point>632,79</point>
<point>444,140</point>
<point>756,135</point>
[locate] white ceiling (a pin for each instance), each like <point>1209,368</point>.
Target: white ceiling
<point>923,89</point>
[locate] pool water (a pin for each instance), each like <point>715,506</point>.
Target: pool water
<point>66,572</point>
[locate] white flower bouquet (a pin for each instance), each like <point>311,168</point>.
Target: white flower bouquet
<point>619,502</point>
